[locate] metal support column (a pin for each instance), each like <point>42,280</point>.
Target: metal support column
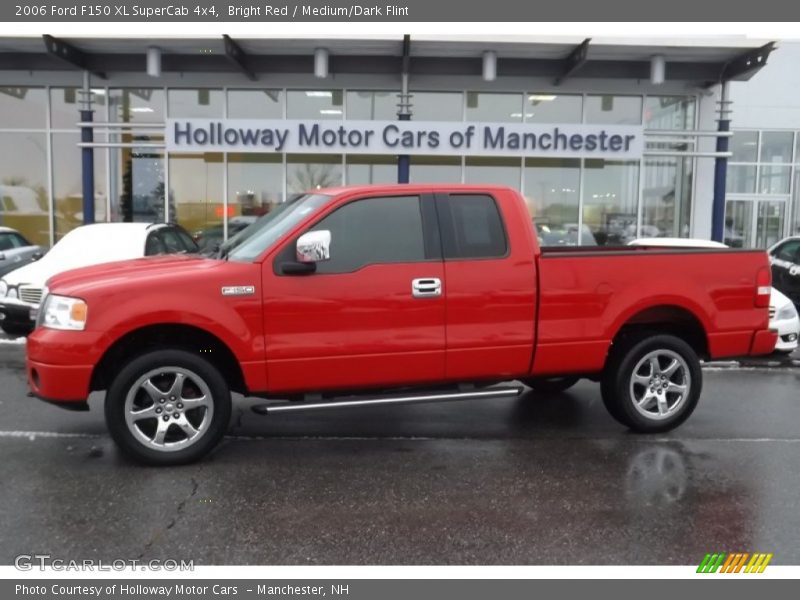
<point>721,167</point>
<point>404,112</point>
<point>87,152</point>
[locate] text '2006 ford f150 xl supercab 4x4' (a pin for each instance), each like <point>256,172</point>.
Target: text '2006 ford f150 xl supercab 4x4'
<point>384,295</point>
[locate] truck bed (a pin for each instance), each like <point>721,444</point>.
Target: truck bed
<point>586,294</point>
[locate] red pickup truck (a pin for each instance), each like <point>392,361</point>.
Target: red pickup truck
<point>384,295</point>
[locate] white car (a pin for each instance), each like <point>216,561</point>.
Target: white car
<point>21,290</point>
<point>782,312</point>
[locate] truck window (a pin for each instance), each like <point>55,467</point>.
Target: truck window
<point>374,230</point>
<point>472,227</point>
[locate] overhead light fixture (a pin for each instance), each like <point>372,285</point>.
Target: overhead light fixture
<point>658,69</point>
<point>330,111</point>
<point>321,63</point>
<point>542,97</point>
<point>489,65</point>
<point>319,94</point>
<point>154,61</point>
<point>98,91</point>
<point>141,109</point>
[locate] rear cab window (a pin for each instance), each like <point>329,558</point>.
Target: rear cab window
<point>472,227</point>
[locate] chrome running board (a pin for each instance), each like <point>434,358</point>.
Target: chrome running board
<point>503,392</point>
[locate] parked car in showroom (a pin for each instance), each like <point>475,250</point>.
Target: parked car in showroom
<point>388,295</point>
<point>16,251</point>
<point>783,316</point>
<point>21,290</point>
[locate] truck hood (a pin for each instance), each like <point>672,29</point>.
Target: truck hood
<point>136,273</point>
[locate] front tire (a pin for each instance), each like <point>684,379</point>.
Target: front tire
<point>652,384</point>
<point>168,407</point>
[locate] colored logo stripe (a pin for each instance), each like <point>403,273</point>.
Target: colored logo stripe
<point>734,562</point>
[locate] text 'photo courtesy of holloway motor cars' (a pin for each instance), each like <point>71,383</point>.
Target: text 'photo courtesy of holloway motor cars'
<point>385,295</point>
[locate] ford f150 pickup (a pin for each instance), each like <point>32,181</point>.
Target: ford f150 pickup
<point>384,295</point>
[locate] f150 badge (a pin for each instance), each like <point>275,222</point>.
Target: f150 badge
<point>238,290</point>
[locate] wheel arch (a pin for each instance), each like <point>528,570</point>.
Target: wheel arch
<point>671,319</point>
<point>168,336</point>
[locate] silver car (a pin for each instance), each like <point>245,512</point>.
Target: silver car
<point>15,250</point>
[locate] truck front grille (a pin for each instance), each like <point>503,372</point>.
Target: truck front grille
<point>30,294</point>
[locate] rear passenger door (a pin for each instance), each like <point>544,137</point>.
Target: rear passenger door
<point>491,286</point>
<point>373,314</point>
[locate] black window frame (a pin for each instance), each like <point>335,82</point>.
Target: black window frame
<point>431,237</point>
<point>450,247</point>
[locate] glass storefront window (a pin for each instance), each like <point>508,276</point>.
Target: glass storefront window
<point>774,180</point>
<point>616,110</point>
<point>494,108</point>
<point>776,146</point>
<point>364,169</point>
<point>137,182</point>
<point>65,106</point>
<point>610,199</point>
<point>492,170</point>
<point>796,202</point>
<point>315,104</point>
<point>255,187</point>
<point>195,191</point>
<point>551,191</point>
<point>136,105</point>
<point>435,169</point>
<point>366,105</point>
<point>308,172</point>
<point>195,103</point>
<point>68,184</point>
<point>741,179</point>
<point>23,108</point>
<point>544,107</point>
<point>255,104</point>
<point>666,197</point>
<point>437,106</point>
<point>255,183</point>
<point>24,203</point>
<point>744,146</point>
<point>669,112</point>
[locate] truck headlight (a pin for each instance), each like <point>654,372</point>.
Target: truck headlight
<point>787,312</point>
<point>62,312</point>
<point>3,288</point>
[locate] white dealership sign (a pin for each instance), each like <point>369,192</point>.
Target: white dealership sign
<point>405,137</point>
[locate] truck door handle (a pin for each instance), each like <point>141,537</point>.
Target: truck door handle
<point>426,287</point>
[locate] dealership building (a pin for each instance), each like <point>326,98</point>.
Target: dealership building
<point>608,139</point>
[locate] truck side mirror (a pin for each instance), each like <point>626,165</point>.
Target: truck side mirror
<point>314,246</point>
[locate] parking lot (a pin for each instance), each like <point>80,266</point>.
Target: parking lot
<point>524,481</point>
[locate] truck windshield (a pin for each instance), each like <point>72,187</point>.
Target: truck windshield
<point>251,241</point>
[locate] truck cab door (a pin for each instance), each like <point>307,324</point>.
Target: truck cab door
<point>373,314</point>
<point>491,285</point>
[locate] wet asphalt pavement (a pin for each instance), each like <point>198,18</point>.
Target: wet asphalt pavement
<point>523,481</point>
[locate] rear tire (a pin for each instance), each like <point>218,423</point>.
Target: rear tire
<point>168,407</point>
<point>652,383</point>
<point>551,385</point>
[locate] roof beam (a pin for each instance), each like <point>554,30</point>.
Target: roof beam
<point>69,54</point>
<point>238,57</point>
<point>746,64</point>
<point>576,59</point>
